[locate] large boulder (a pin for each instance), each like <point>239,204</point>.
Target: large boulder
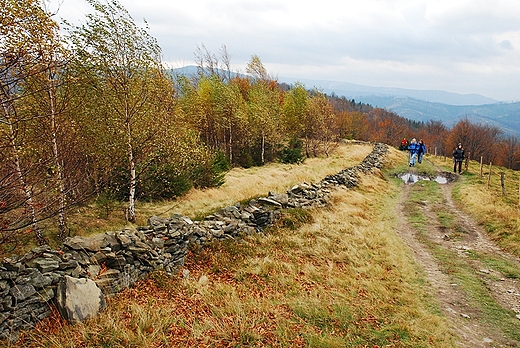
<point>78,299</point>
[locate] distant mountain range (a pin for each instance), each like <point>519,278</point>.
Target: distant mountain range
<point>419,105</point>
<point>505,116</point>
<point>351,90</point>
<point>425,105</point>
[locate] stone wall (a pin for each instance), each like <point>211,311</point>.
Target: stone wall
<point>86,270</point>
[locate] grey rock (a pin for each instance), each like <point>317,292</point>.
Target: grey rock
<point>268,201</point>
<point>21,292</point>
<point>98,258</point>
<point>77,272</point>
<point>12,265</point>
<point>3,317</point>
<point>124,239</point>
<point>78,299</point>
<point>187,220</point>
<point>283,198</point>
<point>68,264</point>
<point>8,301</point>
<point>113,242</point>
<point>93,270</point>
<point>38,280</point>
<point>94,243</point>
<point>80,256</point>
<point>46,294</point>
<point>4,287</point>
<point>116,261</point>
<point>8,274</point>
<point>45,264</point>
<point>157,243</point>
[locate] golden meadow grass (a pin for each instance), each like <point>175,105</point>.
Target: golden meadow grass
<point>343,279</point>
<point>244,184</point>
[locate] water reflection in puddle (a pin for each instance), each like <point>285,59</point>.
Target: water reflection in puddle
<point>410,178</point>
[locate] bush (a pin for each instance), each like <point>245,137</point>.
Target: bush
<point>163,181</point>
<point>245,159</point>
<point>212,173</point>
<point>168,177</point>
<point>293,153</point>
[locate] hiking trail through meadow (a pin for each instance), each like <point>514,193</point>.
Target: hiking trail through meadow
<point>464,318</point>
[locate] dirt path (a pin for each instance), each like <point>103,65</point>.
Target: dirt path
<point>464,319</point>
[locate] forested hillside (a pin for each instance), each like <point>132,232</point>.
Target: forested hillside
<point>505,116</point>
<point>94,115</point>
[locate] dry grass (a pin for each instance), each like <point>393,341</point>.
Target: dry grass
<point>244,184</point>
<point>344,279</point>
<point>498,213</point>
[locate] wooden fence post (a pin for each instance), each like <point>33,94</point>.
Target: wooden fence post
<point>481,165</point>
<point>489,176</point>
<point>502,182</point>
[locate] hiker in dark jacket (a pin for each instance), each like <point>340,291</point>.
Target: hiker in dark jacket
<point>421,151</point>
<point>458,158</point>
<point>413,148</point>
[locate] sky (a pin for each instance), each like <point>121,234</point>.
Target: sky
<point>459,46</point>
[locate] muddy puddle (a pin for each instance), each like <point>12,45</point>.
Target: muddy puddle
<point>411,178</point>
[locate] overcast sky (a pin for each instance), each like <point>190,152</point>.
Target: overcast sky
<point>461,46</point>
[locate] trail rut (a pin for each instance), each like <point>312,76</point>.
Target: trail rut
<point>465,320</point>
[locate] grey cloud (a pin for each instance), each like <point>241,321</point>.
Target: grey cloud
<point>506,44</point>
<point>398,33</point>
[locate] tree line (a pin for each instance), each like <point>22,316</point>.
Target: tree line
<point>94,114</point>
<point>480,141</point>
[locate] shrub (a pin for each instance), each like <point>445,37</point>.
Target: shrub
<point>293,152</point>
<point>212,172</point>
<point>245,159</point>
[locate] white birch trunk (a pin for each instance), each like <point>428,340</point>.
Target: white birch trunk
<point>131,162</point>
<point>29,202</point>
<point>59,168</point>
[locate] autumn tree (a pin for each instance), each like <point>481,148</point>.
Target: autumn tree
<point>434,134</point>
<point>256,68</point>
<point>264,109</point>
<point>386,127</point>
<point>351,125</point>
<point>264,117</point>
<point>129,89</point>
<point>217,110</point>
<point>50,102</point>
<point>29,45</point>
<point>319,127</point>
<point>209,64</point>
<point>295,108</point>
<point>478,140</point>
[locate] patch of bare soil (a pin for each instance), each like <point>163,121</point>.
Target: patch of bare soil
<point>453,301</point>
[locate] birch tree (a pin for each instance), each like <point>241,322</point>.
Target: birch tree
<point>320,125</point>
<point>128,84</point>
<point>28,39</point>
<point>265,113</point>
<point>295,108</point>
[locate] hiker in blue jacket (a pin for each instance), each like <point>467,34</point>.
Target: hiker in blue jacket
<point>413,148</point>
<point>421,151</point>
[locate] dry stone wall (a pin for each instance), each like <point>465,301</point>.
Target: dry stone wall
<point>113,261</point>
